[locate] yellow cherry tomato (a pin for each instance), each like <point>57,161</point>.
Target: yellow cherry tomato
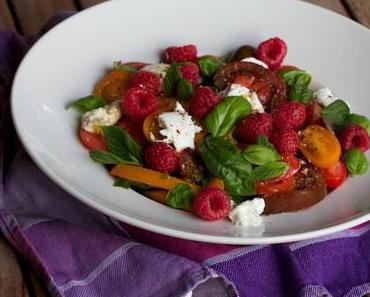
<point>320,146</point>
<point>112,85</point>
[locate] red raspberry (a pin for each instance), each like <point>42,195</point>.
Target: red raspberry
<point>180,53</point>
<point>354,136</point>
<point>202,102</point>
<point>191,73</point>
<point>253,125</point>
<point>146,80</point>
<point>290,115</point>
<point>272,52</point>
<point>138,103</point>
<point>211,204</point>
<point>285,141</point>
<point>161,157</point>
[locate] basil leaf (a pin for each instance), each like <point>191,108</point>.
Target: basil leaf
<point>87,103</point>
<point>270,170</point>
<point>298,82</point>
<point>184,89</point>
<point>209,65</point>
<point>224,160</point>
<point>127,184</point>
<point>336,113</point>
<point>263,140</point>
<point>180,196</point>
<point>258,154</point>
<point>226,114</point>
<point>104,157</point>
<point>171,79</point>
<point>356,162</point>
<point>121,144</point>
<point>120,66</point>
<point>361,120</point>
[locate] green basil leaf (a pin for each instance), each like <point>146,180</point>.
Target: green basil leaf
<point>270,170</point>
<point>358,119</point>
<point>356,162</point>
<point>222,119</point>
<point>171,79</point>
<point>258,154</point>
<point>127,184</point>
<point>180,196</point>
<point>184,89</point>
<point>336,113</point>
<point>261,139</point>
<point>224,160</point>
<point>88,103</point>
<point>121,144</point>
<point>107,158</point>
<point>298,82</point>
<point>120,66</point>
<point>209,65</point>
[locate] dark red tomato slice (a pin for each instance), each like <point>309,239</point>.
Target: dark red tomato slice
<point>134,130</point>
<point>271,187</point>
<point>92,141</point>
<point>334,176</point>
<point>136,65</point>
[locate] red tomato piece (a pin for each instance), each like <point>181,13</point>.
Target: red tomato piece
<point>294,166</point>
<point>136,65</point>
<point>335,175</point>
<point>134,130</point>
<point>271,187</point>
<point>92,141</point>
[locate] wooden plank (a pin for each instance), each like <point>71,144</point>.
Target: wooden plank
<point>38,288</point>
<point>334,5</point>
<point>360,9</point>
<point>88,3</point>
<point>12,283</point>
<point>6,20</point>
<point>32,14</point>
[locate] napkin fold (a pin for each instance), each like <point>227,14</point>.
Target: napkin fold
<point>78,251</point>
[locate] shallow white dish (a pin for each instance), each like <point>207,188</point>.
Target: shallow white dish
<point>67,61</point>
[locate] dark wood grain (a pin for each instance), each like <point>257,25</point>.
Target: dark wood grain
<point>334,5</point>
<point>32,14</point>
<point>88,3</point>
<point>6,20</point>
<point>360,9</point>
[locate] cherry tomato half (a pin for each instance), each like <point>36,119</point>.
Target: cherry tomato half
<point>92,141</point>
<point>294,166</point>
<point>335,175</point>
<point>134,130</point>
<point>271,187</point>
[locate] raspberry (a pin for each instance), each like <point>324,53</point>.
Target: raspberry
<point>202,102</point>
<point>272,52</point>
<point>161,157</point>
<point>285,141</point>
<point>290,115</point>
<point>253,125</point>
<point>191,73</point>
<point>180,53</point>
<point>146,80</point>
<point>354,136</point>
<point>211,204</point>
<point>138,103</point>
<point>313,113</point>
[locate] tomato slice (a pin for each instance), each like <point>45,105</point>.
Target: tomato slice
<point>294,166</point>
<point>92,141</point>
<point>134,130</point>
<point>136,65</point>
<point>335,175</point>
<point>271,187</point>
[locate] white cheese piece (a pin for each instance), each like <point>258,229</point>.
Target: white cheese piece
<point>325,97</point>
<point>178,128</point>
<point>255,61</point>
<point>160,69</point>
<point>252,97</point>
<point>248,213</point>
<point>108,115</point>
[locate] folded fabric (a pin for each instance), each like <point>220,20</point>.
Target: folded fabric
<point>80,252</point>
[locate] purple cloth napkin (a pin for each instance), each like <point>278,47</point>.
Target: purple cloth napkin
<point>80,252</point>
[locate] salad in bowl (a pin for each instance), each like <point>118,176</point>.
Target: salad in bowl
<point>234,137</point>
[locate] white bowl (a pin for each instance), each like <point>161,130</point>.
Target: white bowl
<point>65,63</point>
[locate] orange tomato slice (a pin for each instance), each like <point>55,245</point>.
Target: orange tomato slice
<point>112,85</point>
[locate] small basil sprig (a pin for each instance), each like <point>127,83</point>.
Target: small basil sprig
<point>184,89</point>
<point>127,184</point>
<point>263,140</point>
<point>224,160</point>
<point>88,103</point>
<point>358,119</point>
<point>298,82</point>
<point>171,79</point>
<point>270,170</point>
<point>356,162</point>
<point>122,148</point>
<point>226,114</point>
<point>209,65</point>
<point>336,113</point>
<point>258,154</point>
<point>180,196</point>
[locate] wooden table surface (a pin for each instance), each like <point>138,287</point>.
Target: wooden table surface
<point>27,17</point>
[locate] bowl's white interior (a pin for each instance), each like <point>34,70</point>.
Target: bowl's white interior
<point>67,61</point>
